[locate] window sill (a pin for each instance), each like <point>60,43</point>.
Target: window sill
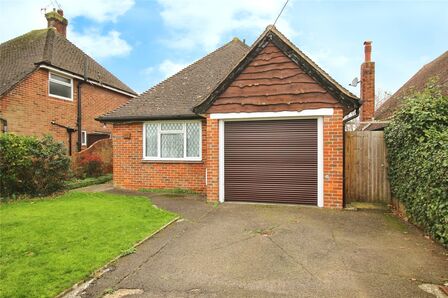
<point>61,98</point>
<point>150,161</point>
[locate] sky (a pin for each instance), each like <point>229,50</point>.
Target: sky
<point>143,42</point>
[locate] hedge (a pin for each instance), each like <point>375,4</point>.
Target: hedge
<point>31,166</point>
<point>417,144</point>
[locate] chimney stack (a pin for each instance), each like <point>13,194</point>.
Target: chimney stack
<point>367,84</point>
<point>56,20</point>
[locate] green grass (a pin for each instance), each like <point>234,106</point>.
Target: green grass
<point>49,244</point>
<point>168,190</point>
<point>394,222</point>
<point>77,183</point>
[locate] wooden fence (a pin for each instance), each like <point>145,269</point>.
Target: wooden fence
<point>366,177</point>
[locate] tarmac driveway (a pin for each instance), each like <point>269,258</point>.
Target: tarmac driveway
<point>235,250</point>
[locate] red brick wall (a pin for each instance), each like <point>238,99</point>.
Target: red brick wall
<point>29,109</point>
<point>131,172</point>
<point>333,160</point>
<point>367,91</point>
<point>101,148</point>
<point>212,159</point>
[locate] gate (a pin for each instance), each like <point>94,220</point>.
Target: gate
<point>366,178</point>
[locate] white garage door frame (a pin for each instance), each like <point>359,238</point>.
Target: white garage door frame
<point>304,114</point>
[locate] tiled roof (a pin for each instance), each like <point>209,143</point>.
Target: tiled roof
<point>22,55</point>
<point>436,68</point>
<point>176,96</point>
<point>346,98</point>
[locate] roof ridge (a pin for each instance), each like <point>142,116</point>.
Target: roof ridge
<point>88,56</point>
<point>47,53</point>
<point>291,44</point>
<point>236,41</point>
<point>211,97</point>
<point>22,36</point>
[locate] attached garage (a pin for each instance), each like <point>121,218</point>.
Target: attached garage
<point>271,128</point>
<point>271,161</point>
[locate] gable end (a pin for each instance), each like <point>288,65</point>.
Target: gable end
<point>348,101</point>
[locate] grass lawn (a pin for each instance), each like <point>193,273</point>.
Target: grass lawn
<point>47,245</point>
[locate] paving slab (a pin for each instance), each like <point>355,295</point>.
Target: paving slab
<point>250,250</point>
<point>96,187</point>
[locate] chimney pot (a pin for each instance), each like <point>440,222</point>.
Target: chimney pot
<point>55,19</point>
<point>367,51</point>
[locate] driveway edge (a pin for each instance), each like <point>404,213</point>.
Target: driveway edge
<point>74,290</point>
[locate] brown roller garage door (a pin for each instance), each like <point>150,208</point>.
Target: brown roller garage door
<point>271,161</point>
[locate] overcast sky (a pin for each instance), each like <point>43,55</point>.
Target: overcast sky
<point>144,41</point>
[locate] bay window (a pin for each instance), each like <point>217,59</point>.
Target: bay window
<point>172,140</point>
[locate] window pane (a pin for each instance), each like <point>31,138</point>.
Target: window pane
<point>61,79</point>
<point>172,145</point>
<point>60,90</point>
<point>151,140</point>
<point>172,126</point>
<point>193,139</point>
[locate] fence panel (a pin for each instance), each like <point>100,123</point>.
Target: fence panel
<point>366,165</point>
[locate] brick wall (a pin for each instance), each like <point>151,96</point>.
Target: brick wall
<point>131,172</point>
<point>212,160</point>
<point>101,148</point>
<point>29,109</point>
<point>367,91</point>
<point>333,160</point>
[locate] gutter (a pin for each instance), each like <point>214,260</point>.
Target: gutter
<point>72,75</point>
<point>351,117</point>
<point>79,107</point>
<point>69,130</point>
<point>147,118</point>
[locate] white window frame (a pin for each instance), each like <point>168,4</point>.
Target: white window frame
<point>183,130</point>
<point>83,138</point>
<point>50,79</point>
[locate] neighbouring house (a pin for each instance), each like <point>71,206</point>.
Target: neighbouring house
<point>256,124</point>
<point>437,69</point>
<point>43,76</point>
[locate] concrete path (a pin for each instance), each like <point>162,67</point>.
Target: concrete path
<point>242,250</point>
<point>96,188</point>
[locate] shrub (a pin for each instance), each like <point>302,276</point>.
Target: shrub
<point>31,166</point>
<point>417,143</point>
<point>92,165</point>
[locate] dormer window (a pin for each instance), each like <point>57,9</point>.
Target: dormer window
<point>60,86</point>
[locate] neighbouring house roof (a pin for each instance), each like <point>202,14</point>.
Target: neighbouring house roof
<point>436,68</point>
<point>22,55</point>
<point>271,34</point>
<point>176,96</point>
<point>192,90</point>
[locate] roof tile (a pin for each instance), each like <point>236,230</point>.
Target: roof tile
<point>21,55</point>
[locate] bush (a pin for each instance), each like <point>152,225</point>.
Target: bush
<point>417,144</point>
<point>31,166</point>
<point>91,165</point>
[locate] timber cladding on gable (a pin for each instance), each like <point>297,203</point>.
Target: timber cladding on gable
<point>272,82</point>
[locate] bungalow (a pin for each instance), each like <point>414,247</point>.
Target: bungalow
<point>50,86</point>
<point>258,124</point>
